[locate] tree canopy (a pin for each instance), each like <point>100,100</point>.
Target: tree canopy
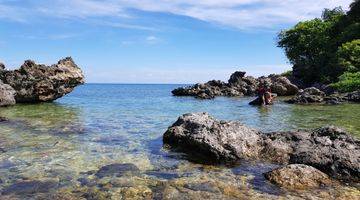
<point>323,49</point>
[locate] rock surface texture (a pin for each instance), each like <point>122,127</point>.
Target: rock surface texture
<point>329,149</point>
<point>298,176</point>
<point>217,140</point>
<point>39,83</point>
<point>7,95</point>
<point>238,85</point>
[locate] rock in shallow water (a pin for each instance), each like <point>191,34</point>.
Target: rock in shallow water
<point>217,140</point>
<point>40,83</point>
<point>329,149</point>
<point>298,176</point>
<point>7,95</point>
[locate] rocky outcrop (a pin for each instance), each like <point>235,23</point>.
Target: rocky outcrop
<point>314,95</point>
<point>7,95</point>
<point>237,85</point>
<point>329,149</point>
<point>40,83</point>
<point>298,176</point>
<point>221,141</point>
<point>308,95</point>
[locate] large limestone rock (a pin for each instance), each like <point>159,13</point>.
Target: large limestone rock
<point>215,141</point>
<point>238,85</point>
<point>298,176</point>
<point>282,86</point>
<point>7,95</point>
<point>39,83</point>
<point>329,149</point>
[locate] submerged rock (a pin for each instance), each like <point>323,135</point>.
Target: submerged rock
<point>329,149</point>
<point>298,176</point>
<point>29,187</point>
<point>7,95</point>
<point>238,85</point>
<point>40,83</point>
<point>219,141</point>
<point>116,170</point>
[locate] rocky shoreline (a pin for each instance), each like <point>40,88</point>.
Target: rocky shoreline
<point>314,95</point>
<point>238,85</point>
<point>330,150</point>
<point>33,83</point>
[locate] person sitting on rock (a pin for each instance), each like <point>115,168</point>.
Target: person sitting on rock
<point>264,92</point>
<point>267,95</point>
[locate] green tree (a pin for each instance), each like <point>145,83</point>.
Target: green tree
<point>348,56</point>
<point>324,48</point>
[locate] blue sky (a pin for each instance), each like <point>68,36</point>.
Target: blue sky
<point>153,41</point>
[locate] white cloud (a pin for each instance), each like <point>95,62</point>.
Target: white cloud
<point>242,14</point>
<point>152,39</point>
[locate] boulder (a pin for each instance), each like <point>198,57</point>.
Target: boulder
<point>329,149</point>
<point>2,66</point>
<point>308,95</point>
<point>298,176</point>
<point>7,95</point>
<point>40,83</point>
<point>236,77</point>
<point>282,86</point>
<point>354,96</point>
<point>213,140</point>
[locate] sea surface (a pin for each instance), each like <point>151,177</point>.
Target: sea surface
<point>66,142</point>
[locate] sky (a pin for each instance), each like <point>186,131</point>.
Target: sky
<point>153,41</point>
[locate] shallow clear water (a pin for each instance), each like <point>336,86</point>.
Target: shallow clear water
<point>100,124</point>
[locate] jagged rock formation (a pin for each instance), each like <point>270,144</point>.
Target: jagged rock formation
<point>39,83</point>
<point>314,95</point>
<point>238,85</point>
<point>329,149</point>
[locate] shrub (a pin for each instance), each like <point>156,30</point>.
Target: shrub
<point>348,56</point>
<point>348,82</point>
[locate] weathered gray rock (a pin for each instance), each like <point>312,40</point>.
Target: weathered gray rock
<point>237,86</point>
<point>282,86</point>
<point>39,83</point>
<point>298,176</point>
<point>216,141</point>
<point>354,96</point>
<point>308,95</point>
<point>7,95</point>
<point>329,149</point>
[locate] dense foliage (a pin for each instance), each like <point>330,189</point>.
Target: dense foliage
<point>323,49</point>
<point>348,82</point>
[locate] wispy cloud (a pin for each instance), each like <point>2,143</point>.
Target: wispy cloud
<point>242,14</point>
<point>152,39</point>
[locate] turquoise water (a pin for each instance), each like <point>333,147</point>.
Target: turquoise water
<point>100,124</point>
